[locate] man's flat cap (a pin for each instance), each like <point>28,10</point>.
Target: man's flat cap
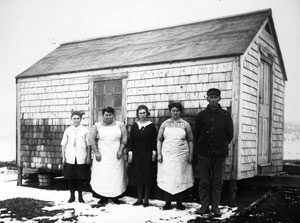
<point>214,91</point>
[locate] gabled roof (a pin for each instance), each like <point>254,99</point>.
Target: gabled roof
<point>228,36</point>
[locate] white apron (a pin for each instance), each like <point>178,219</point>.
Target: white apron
<point>174,174</point>
<point>108,177</point>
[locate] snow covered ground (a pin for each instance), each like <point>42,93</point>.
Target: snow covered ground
<point>291,150</point>
<point>87,212</point>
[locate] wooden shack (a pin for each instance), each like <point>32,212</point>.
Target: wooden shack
<point>238,54</point>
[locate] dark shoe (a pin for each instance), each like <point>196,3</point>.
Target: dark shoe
<point>103,202</point>
<point>146,204</point>
<point>216,212</point>
<point>71,200</point>
<point>80,199</point>
<point>180,206</point>
<point>115,200</point>
<point>167,206</point>
<point>137,203</point>
<point>203,210</point>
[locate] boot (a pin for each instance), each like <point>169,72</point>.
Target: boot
<point>115,200</point>
<point>72,186</point>
<point>80,198</point>
<point>138,202</point>
<point>203,210</point>
<point>80,184</point>
<point>167,206</point>
<point>180,206</point>
<point>72,196</point>
<point>103,201</point>
<point>216,211</point>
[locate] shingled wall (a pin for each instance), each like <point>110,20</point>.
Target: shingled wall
<point>249,107</point>
<point>45,106</point>
<point>155,88</point>
<point>46,102</point>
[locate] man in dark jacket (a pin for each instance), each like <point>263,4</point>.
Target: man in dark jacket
<point>213,133</point>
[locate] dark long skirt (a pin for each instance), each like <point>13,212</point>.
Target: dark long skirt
<point>76,171</point>
<point>142,172</point>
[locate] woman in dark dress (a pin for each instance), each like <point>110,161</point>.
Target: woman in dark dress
<point>142,152</point>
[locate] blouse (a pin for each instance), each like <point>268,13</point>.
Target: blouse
<point>76,140</point>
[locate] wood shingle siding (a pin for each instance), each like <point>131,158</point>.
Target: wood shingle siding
<point>237,54</point>
<point>250,72</point>
<point>40,144</point>
<point>158,87</point>
<point>51,99</point>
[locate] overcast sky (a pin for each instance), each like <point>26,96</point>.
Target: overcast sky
<point>30,29</point>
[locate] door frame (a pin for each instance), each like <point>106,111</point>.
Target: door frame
<point>267,57</point>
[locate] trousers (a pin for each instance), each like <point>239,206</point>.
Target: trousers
<point>211,171</point>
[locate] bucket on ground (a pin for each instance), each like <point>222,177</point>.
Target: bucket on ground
<point>45,180</point>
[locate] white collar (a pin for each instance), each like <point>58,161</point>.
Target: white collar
<point>144,124</point>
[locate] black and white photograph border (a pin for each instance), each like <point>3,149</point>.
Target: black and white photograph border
<point>53,53</point>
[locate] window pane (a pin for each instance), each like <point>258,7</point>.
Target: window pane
<point>118,86</point>
<point>118,114</point>
<point>99,87</point>
<point>100,101</point>
<point>109,87</point>
<point>118,100</point>
<point>98,115</point>
<point>108,100</point>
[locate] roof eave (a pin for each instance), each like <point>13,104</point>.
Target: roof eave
<point>278,47</point>
<point>127,66</point>
<point>168,27</point>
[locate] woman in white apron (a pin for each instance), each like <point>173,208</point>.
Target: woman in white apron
<point>108,139</point>
<point>174,156</point>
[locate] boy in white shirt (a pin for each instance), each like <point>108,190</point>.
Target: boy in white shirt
<point>76,155</point>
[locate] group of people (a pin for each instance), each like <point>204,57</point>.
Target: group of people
<point>173,147</point>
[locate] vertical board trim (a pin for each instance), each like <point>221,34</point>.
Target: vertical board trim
<point>236,92</point>
<point>18,125</point>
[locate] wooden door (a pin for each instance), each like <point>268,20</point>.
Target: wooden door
<point>107,93</point>
<point>265,106</point>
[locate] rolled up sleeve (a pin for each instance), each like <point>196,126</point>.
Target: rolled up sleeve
<point>189,133</point>
<point>93,136</point>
